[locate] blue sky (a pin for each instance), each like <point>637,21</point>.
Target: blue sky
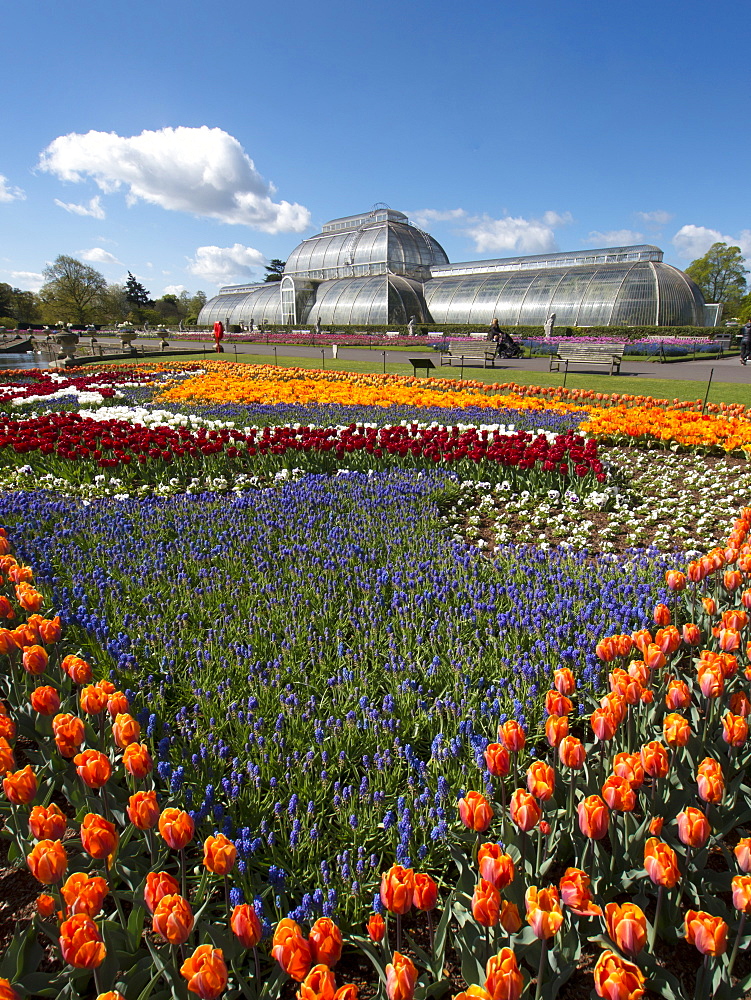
<point>192,142</point>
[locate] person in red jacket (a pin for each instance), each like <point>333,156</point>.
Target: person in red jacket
<point>219,336</point>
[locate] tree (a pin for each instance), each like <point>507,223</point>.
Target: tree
<point>720,274</point>
<point>136,293</point>
<point>275,269</point>
<point>73,291</point>
<point>114,305</point>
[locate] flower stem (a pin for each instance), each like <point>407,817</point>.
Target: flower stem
<point>541,969</point>
<point>738,937</point>
<point>658,907</point>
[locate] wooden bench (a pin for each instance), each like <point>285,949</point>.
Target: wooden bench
<point>457,354</point>
<point>588,354</point>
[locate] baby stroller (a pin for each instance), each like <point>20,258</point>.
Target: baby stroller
<point>507,347</point>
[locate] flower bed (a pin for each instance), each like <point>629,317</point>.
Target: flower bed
<point>266,705</point>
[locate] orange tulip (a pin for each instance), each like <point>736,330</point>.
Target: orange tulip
<point>93,768</point>
<point>571,752</point>
<point>6,990</point>
<point>655,760</point>
<point>594,817</point>
<point>564,681</point>
<point>693,827</point>
<point>46,907</point>
<point>655,825</point>
<point>376,927</point>
<point>50,630</point>
<point>691,634</point>
<point>319,984</point>
<point>80,942</point>
<point>45,700</point>
<point>617,979</point>
<point>48,861</point>
<point>495,866</point>
<point>710,605</point>
<point>509,919</point>
<point>7,757</point>
<point>486,903</point>
<point>7,728</point>
<point>741,886</point>
<point>143,810</point>
<point>661,615</point>
<point>676,730</point>
<point>710,781</point>
<point>661,863</point>
<point>668,639</point>
<point>497,760</point>
<point>541,780</point>
<point>219,854</point>
<point>84,894</point>
<point>556,728</point>
<point>245,925</point>
<point>206,972</point>
<point>125,730</point>
<point>176,828</point>
<point>69,733</point>
<point>401,977</point>
<point>618,794</point>
<point>503,980</point>
<point>475,812</point>
<point>678,695</point>
<point>675,580</point>
<point>99,838</point>
<point>8,642</point>
<point>473,993</point>
<point>742,851</point>
<point>47,822</point>
<point>512,735</point>
<point>654,657</point>
<point>729,639</point>
<point>35,660</point>
<point>92,699</point>
<point>734,729</point>
<point>173,919</point>
<point>575,894</point>
<point>6,609</point>
<point>426,892</point>
<point>525,812</point>
<point>557,703</point>
<point>709,934</point>
<point>111,995</point>
<point>605,650</point>
<point>291,950</point>
<point>158,885</point>
<point>604,724</point>
<point>325,940</point>
<point>78,670</point>
<point>397,889</point>
<point>629,766</point>
<point>137,760</point>
<point>544,914</point>
<point>615,704</point>
<point>740,704</point>
<point>117,704</point>
<point>627,927</point>
<point>29,598</point>
<point>347,992</point>
<point>711,679</point>
<point>20,787</point>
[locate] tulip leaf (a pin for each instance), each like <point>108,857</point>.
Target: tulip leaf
<point>375,956</point>
<point>441,937</point>
<point>665,984</point>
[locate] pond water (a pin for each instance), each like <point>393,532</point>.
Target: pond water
<point>29,360</point>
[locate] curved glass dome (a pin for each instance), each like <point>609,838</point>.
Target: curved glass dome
<point>358,246</point>
<point>240,306</point>
<point>645,293</point>
<point>373,301</point>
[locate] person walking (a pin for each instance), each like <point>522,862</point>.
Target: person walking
<point>745,342</point>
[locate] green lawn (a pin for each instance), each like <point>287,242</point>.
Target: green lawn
<point>683,389</point>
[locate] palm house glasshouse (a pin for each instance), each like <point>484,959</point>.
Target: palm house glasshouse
<point>378,269</point>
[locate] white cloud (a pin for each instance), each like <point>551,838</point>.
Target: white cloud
<point>692,241</point>
<point>204,171</point>
<point>221,265</point>
<point>616,238</point>
<point>98,256</point>
<point>516,235</point>
<point>658,218</point>
<point>27,281</point>
<point>94,208</point>
<point>424,217</point>
<point>174,290</point>
<point>8,192</point>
